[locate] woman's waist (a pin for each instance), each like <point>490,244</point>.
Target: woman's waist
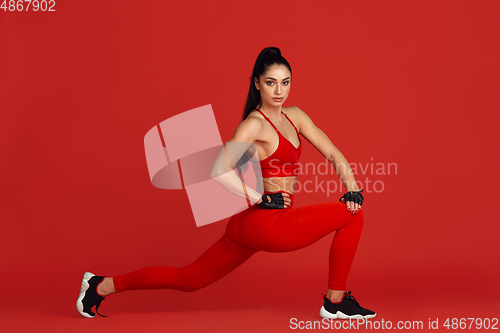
<point>277,184</point>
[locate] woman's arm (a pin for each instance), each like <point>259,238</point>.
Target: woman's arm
<point>222,170</point>
<point>324,145</point>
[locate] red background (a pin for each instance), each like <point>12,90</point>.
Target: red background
<point>408,82</point>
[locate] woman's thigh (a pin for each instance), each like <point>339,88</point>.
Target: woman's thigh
<point>290,229</point>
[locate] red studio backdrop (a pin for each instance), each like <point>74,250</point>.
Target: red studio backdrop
<point>407,90</point>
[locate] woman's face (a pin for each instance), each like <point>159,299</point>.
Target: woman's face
<point>275,83</point>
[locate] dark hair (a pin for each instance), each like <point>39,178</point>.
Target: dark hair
<point>267,57</point>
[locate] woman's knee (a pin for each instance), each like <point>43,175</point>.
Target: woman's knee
<point>191,282</point>
<point>357,219</point>
<point>193,287</point>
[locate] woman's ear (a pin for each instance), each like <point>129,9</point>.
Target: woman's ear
<point>256,81</point>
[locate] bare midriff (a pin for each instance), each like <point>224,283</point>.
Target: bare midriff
<point>274,184</point>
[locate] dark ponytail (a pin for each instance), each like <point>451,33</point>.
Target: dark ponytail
<point>267,57</point>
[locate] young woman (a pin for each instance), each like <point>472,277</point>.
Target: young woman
<point>271,224</point>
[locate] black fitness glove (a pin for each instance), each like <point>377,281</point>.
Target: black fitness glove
<point>277,201</point>
<point>354,196</point>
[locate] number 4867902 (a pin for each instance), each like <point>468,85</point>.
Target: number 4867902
<point>26,5</point>
<point>478,323</point>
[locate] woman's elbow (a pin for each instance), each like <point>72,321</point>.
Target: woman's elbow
<point>215,173</point>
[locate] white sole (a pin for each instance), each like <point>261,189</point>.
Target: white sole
<point>340,315</point>
<point>85,285</point>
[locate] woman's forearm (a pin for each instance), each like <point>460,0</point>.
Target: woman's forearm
<point>344,171</point>
<point>232,183</point>
<point>223,173</point>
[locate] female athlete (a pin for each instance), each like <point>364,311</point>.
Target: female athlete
<point>271,224</point>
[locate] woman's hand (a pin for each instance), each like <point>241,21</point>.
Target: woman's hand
<point>279,200</point>
<point>353,201</point>
<point>286,197</point>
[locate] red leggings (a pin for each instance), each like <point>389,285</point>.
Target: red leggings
<point>256,229</point>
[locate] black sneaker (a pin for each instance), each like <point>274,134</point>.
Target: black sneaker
<point>348,308</point>
<point>88,295</point>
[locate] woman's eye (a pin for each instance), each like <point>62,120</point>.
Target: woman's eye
<point>285,83</point>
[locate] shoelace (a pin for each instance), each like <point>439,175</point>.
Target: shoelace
<point>352,298</point>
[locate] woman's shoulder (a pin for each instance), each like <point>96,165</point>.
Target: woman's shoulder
<point>255,117</point>
<point>251,123</point>
<point>296,115</point>
<point>292,111</point>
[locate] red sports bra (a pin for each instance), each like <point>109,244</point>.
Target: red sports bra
<point>283,162</point>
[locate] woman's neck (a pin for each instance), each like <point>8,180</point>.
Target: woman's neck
<point>272,112</point>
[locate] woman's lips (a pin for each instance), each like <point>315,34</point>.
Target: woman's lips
<point>278,99</point>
